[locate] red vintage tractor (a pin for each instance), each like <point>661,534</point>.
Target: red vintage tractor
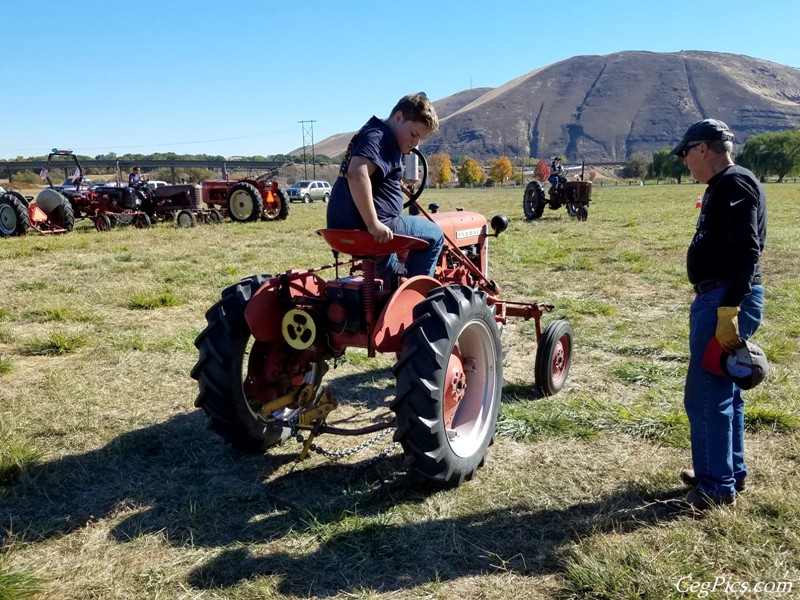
<point>269,339</point>
<point>247,199</point>
<point>105,206</point>
<point>181,204</point>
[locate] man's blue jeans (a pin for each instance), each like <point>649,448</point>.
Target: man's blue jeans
<point>714,403</point>
<point>419,262</point>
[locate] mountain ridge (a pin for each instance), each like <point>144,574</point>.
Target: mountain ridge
<point>607,107</point>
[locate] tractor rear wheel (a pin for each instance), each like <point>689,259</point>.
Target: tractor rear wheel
<point>533,201</point>
<point>553,357</point>
<point>14,218</point>
<point>449,385</point>
<point>227,353</point>
<point>62,215</point>
<point>244,202</point>
<point>278,210</point>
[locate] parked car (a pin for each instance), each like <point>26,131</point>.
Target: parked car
<point>154,184</point>
<point>69,184</point>
<point>306,191</point>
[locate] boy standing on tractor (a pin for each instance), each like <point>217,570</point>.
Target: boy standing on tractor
<point>368,195</point>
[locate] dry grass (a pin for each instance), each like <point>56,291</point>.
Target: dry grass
<point>112,488</point>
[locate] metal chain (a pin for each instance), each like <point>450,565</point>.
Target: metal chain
<point>349,451</point>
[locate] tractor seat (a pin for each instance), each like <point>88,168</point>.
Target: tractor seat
<point>361,243</point>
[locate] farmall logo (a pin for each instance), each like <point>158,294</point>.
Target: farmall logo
<point>466,233</point>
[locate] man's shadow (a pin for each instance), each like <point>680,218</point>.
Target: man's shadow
<point>397,556</point>
<point>177,480</point>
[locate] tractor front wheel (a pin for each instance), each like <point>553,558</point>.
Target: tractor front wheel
<point>449,385</point>
<point>553,357</point>
<point>214,216</point>
<point>244,202</point>
<point>142,221</point>
<point>102,222</point>
<point>14,218</point>
<point>228,389</point>
<point>185,218</point>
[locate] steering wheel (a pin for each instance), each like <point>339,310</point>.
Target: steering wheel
<point>418,192</point>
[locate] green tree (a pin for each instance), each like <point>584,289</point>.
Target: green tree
<point>637,166</point>
<point>667,166</point>
<point>501,170</point>
<point>470,172</point>
<point>772,153</point>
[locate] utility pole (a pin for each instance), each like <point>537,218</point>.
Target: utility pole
<point>308,134</point>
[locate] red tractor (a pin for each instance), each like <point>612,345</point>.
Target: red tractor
<point>247,199</point>
<point>269,339</point>
<point>181,204</point>
<point>105,206</point>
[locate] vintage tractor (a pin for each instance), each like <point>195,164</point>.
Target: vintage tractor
<point>575,195</point>
<point>105,206</point>
<point>49,213</point>
<point>268,342</point>
<point>247,199</point>
<point>182,204</point>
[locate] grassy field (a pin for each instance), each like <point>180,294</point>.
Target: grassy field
<point>110,486</point>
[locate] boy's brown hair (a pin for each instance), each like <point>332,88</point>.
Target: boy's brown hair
<point>417,107</point>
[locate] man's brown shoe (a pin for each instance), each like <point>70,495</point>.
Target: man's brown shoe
<point>697,501</point>
<point>688,477</point>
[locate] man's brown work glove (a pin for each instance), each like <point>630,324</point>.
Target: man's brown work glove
<point>727,333</point>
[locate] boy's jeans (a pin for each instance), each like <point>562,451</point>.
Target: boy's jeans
<point>713,403</point>
<point>419,262</point>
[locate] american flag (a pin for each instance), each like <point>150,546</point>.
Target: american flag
<point>44,174</point>
<point>77,173</point>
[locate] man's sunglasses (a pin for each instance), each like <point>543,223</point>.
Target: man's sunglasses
<point>685,151</point>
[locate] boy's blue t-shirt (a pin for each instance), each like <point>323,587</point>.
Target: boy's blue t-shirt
<point>376,142</point>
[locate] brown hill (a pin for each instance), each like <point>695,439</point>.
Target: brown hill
<point>604,108</point>
<point>336,144</point>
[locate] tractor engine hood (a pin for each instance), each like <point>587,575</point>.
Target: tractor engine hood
<point>463,227</point>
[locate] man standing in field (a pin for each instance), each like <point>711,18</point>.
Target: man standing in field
<point>724,266</point>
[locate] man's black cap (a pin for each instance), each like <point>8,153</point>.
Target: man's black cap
<point>707,130</point>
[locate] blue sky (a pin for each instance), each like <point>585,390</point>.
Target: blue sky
<point>236,77</point>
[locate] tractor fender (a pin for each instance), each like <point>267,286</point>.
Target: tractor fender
<point>398,313</point>
<point>266,308</point>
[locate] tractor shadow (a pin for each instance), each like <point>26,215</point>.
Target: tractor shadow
<point>177,481</point>
<point>174,475</point>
